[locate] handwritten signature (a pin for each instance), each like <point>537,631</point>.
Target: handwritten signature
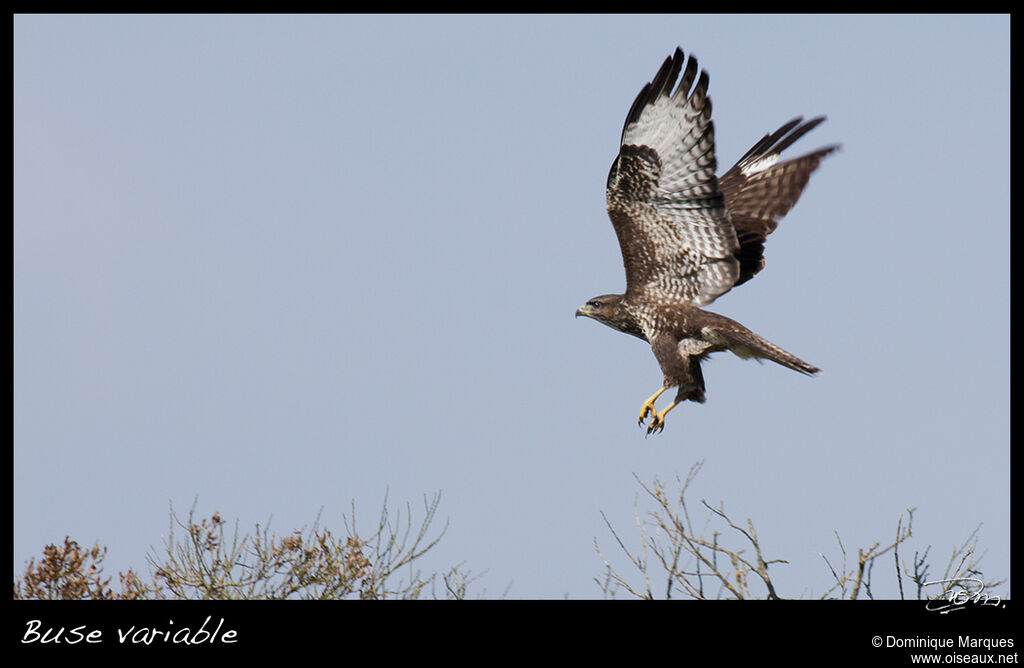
<point>958,593</point>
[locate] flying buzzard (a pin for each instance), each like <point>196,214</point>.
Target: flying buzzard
<point>688,237</point>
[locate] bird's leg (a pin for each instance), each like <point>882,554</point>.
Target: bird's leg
<point>658,419</point>
<point>690,391</point>
<point>648,407</point>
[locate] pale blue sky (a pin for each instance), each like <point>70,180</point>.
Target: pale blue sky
<point>284,262</point>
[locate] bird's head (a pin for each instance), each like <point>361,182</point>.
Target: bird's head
<point>600,308</point>
<point>609,310</point>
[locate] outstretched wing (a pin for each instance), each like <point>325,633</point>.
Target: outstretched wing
<point>663,198</point>
<point>759,190</point>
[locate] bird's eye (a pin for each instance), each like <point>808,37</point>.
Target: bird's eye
<point>594,305</point>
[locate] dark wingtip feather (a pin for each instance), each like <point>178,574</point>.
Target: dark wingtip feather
<point>662,84</point>
<point>788,140</point>
<point>768,140</point>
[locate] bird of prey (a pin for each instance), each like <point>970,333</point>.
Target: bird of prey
<point>687,236</point>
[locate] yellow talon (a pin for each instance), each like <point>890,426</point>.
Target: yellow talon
<point>656,418</point>
<point>657,423</point>
<point>648,407</point>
